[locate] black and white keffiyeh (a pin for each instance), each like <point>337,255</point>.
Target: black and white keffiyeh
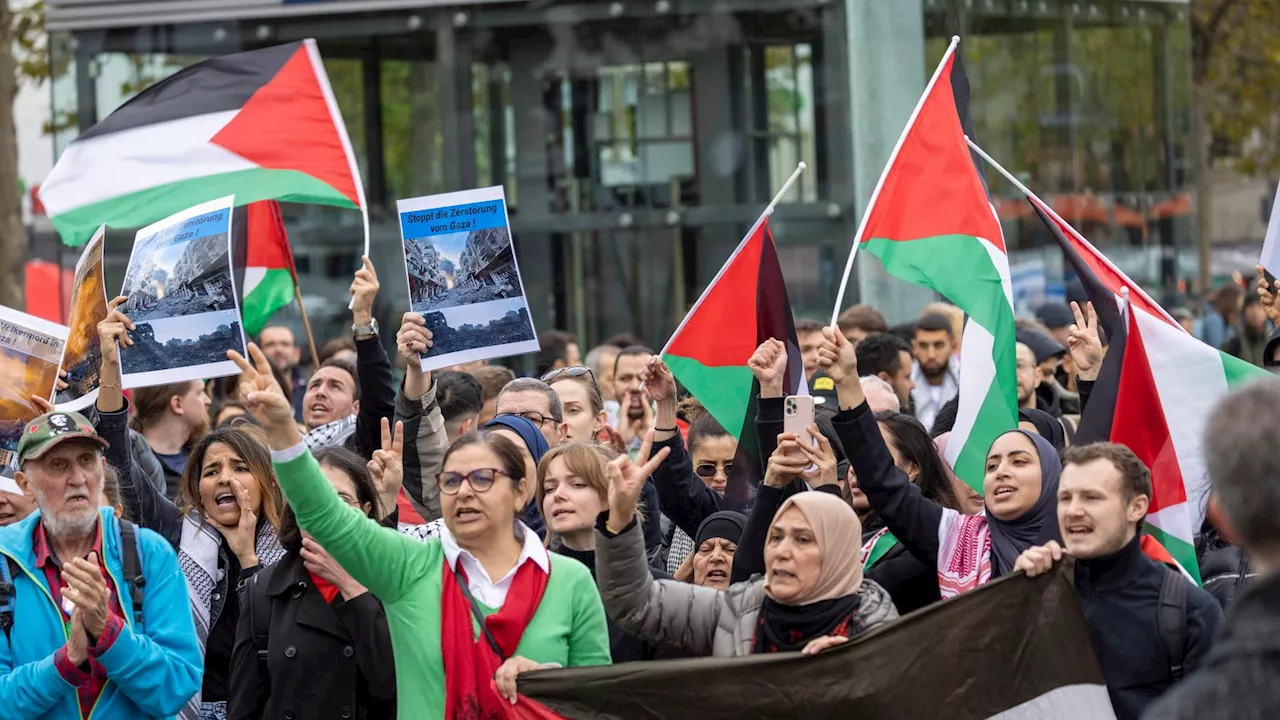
<point>333,434</point>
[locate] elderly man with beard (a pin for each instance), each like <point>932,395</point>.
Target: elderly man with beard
<point>1103,496</point>
<point>76,642</point>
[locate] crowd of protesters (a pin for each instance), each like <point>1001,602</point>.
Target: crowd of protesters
<point>332,543</point>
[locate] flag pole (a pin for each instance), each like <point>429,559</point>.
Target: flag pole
<point>306,327</point>
<point>1052,213</point>
<point>862,226</point>
<point>795,175</point>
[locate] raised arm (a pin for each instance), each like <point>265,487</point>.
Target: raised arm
<point>379,558</point>
<point>144,503</point>
<point>377,386</point>
<point>910,516</point>
<point>418,408</point>
<point>682,495</point>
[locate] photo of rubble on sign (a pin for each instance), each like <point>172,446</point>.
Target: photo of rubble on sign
<point>30,349</point>
<point>461,269</point>
<point>182,299</point>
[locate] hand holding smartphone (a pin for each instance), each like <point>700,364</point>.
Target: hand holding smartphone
<point>797,417</point>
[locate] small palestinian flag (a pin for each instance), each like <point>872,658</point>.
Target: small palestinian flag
<point>1014,649</point>
<point>743,306</point>
<point>269,274</point>
<point>259,125</point>
<point>931,222</point>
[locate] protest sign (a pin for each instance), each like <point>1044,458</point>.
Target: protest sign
<point>82,358</point>
<point>463,276</point>
<point>182,299</point>
<point>30,349</point>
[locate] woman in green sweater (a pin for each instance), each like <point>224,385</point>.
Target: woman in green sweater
<point>540,609</point>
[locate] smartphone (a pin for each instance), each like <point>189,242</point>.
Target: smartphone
<point>797,416</point>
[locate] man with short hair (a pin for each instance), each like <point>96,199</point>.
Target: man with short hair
<point>936,372</point>
<point>280,347</point>
<point>172,418</point>
<point>1238,679</point>
<point>809,335</point>
<point>345,402</point>
<point>492,379</point>
<point>75,640</point>
<point>536,402</point>
<point>558,350</point>
<point>888,357</point>
<point>601,359</point>
<point>1048,354</point>
<point>635,412</point>
<point>461,399</point>
<point>1027,376</point>
<point>1144,648</point>
<point>880,395</point>
<point>859,321</point>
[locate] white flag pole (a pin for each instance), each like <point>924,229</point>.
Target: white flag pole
<point>1270,258</point>
<point>862,226</point>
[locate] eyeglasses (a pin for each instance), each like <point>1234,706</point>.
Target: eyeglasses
<point>572,371</point>
<point>708,470</point>
<point>481,480</point>
<point>536,418</point>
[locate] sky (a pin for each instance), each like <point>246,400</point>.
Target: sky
<point>190,327</point>
<point>481,313</point>
<point>450,246</point>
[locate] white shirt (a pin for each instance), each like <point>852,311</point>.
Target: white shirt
<point>489,593</point>
<point>929,399</point>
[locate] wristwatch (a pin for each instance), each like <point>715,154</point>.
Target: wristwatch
<point>364,330</point>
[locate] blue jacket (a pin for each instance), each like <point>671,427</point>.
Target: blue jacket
<point>150,675</point>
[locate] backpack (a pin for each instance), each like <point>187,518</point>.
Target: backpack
<point>1172,620</point>
<point>133,577</point>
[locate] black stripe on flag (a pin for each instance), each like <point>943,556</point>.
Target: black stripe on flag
<point>218,84</point>
<point>989,651</point>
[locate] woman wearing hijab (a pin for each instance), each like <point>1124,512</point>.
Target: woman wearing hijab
<point>812,594</point>
<point>710,564</point>
<point>1044,425</point>
<point>1020,488</point>
<point>467,611</point>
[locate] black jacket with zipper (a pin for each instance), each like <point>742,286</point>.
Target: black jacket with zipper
<point>324,660</point>
<point>1120,596</point>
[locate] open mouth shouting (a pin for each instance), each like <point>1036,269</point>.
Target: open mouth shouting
<point>226,499</point>
<point>466,515</point>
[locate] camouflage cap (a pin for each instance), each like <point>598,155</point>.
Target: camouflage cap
<point>46,431</point>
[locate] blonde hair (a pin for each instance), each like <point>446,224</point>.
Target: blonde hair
<point>583,460</point>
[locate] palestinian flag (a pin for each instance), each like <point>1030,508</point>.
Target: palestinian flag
<point>931,223</point>
<point>259,125</point>
<point>269,274</point>
<point>1013,649</point>
<point>1169,383</point>
<point>743,306</point>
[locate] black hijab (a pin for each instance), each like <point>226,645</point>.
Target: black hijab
<point>1037,526</point>
<point>1049,427</point>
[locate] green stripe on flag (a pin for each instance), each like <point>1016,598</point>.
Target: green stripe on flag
<point>1183,552</point>
<point>1239,372</point>
<point>273,292</point>
<point>724,390</point>
<point>994,419</point>
<point>141,208</point>
<point>958,267</point>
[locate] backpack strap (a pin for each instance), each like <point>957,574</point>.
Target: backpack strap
<point>8,570</point>
<point>1173,621</point>
<point>133,576</point>
<point>261,619</point>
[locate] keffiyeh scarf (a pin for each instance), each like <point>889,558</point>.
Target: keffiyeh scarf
<point>333,434</point>
<point>198,556</point>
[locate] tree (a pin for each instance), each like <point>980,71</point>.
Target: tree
<point>1236,72</point>
<point>15,35</point>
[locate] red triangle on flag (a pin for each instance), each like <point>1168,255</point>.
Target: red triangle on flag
<point>268,243</point>
<point>309,142</point>
<point>708,332</point>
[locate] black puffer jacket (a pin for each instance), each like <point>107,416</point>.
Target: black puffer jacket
<point>1224,568</point>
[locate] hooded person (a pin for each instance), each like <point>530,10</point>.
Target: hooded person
<point>711,562</point>
<point>1020,488</point>
<point>811,596</point>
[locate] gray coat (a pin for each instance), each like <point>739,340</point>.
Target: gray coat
<point>696,621</point>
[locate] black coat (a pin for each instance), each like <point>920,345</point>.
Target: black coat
<point>1120,596</point>
<point>1237,679</point>
<point>911,583</point>
<point>1224,568</point>
<point>323,660</point>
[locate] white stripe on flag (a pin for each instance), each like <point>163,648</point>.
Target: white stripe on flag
<point>1271,246</point>
<point>1069,702</point>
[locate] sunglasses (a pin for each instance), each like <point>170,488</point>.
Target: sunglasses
<point>481,480</point>
<point>708,470</point>
<point>572,371</point>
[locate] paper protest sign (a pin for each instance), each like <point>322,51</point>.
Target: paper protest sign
<point>182,299</point>
<point>30,349</point>
<point>82,358</point>
<point>463,277</point>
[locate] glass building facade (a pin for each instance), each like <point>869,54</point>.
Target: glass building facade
<point>638,140</point>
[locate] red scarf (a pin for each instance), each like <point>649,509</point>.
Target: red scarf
<point>469,662</point>
<point>328,590</point>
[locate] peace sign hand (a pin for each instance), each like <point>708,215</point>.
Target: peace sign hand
<point>258,390</point>
<point>1085,343</point>
<point>627,479</point>
<point>387,466</point>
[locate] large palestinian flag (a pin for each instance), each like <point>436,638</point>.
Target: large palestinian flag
<point>743,306</point>
<point>931,223</point>
<point>1013,649</point>
<point>259,125</point>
